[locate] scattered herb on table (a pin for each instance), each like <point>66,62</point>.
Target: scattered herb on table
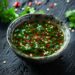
<point>71,16</point>
<point>8,14</point>
<point>27,10</point>
<point>40,12</point>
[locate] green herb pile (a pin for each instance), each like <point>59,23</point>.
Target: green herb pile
<point>71,16</point>
<point>8,14</point>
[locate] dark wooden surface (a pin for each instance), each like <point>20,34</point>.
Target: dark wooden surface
<point>62,66</point>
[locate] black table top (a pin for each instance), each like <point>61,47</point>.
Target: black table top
<point>10,64</point>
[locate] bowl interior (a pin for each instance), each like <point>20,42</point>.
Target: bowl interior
<point>38,18</point>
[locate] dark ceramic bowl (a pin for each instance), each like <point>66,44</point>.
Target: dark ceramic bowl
<point>39,17</point>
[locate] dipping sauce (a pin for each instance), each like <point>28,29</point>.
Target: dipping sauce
<point>38,38</point>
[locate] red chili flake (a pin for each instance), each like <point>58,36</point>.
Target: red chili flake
<point>32,29</point>
<point>60,41</point>
<point>31,44</point>
<point>38,39</point>
<point>18,44</point>
<point>17,4</point>
<point>52,5</point>
<point>58,34</point>
<point>41,38</point>
<point>26,35</point>
<point>42,54</point>
<point>38,3</point>
<point>47,45</point>
<point>30,4</point>
<point>17,39</point>
<point>35,36</point>
<point>48,39</point>
<point>27,41</point>
<point>43,34</point>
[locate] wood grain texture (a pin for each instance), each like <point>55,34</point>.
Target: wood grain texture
<point>62,66</point>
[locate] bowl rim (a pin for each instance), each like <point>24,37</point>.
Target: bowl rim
<point>57,53</point>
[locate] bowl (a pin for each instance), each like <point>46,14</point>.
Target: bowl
<point>39,17</point>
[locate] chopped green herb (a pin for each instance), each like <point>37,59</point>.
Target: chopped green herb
<point>71,16</point>
<point>38,43</point>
